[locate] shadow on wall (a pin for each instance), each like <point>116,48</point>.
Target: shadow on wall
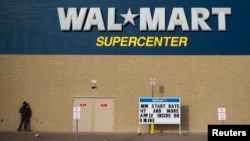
<point>174,128</point>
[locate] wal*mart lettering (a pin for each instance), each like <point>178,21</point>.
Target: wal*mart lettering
<point>72,20</point>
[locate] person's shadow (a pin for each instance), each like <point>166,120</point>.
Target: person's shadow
<point>29,121</point>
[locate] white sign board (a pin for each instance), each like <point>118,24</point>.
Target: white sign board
<point>152,81</point>
<point>221,113</point>
<point>159,110</point>
<point>76,112</point>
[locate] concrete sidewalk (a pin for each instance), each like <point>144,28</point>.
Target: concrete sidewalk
<point>48,136</point>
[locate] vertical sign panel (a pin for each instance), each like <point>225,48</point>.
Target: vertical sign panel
<point>76,112</point>
<point>221,113</point>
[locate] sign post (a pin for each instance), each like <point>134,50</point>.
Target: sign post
<point>152,82</point>
<point>76,116</point>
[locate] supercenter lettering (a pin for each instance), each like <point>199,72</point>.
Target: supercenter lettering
<point>142,41</point>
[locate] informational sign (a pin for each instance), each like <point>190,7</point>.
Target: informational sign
<point>221,113</point>
<point>152,81</point>
<point>104,105</point>
<point>83,105</point>
<point>76,112</point>
<point>159,110</point>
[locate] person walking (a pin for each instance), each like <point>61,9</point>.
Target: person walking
<point>25,112</point>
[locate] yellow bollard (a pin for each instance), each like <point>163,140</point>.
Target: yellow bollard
<point>152,129</point>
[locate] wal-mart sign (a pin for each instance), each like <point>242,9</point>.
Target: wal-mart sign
<point>84,27</point>
<point>159,110</point>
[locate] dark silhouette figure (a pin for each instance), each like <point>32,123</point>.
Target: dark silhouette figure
<point>25,112</point>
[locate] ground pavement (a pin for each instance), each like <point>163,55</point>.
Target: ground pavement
<point>51,136</point>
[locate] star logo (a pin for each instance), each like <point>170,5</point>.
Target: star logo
<point>129,17</point>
